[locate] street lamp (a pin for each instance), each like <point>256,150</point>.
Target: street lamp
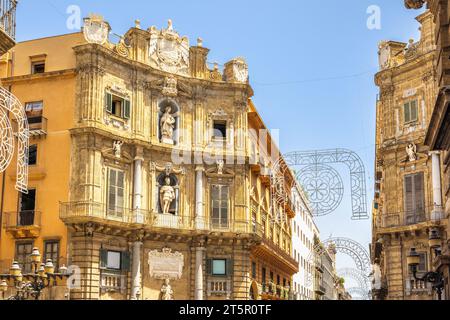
<point>435,278</point>
<point>42,276</point>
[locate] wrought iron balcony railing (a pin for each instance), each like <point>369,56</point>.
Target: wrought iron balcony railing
<point>7,25</point>
<point>98,211</point>
<point>400,219</point>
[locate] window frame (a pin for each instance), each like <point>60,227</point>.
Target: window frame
<point>225,261</point>
<point>116,211</point>
<point>38,63</point>
<point>24,265</point>
<point>46,253</point>
<point>408,106</point>
<point>125,109</point>
<point>221,207</point>
<point>30,150</point>
<point>418,214</point>
<point>223,124</point>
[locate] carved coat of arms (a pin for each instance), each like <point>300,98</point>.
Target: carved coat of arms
<point>237,70</point>
<point>168,51</point>
<point>96,30</point>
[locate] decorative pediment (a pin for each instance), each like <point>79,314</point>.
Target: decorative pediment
<point>168,51</point>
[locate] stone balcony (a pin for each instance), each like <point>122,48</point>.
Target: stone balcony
<point>93,212</point>
<point>23,224</point>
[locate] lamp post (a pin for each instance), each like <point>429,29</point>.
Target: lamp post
<point>435,278</point>
<point>31,285</point>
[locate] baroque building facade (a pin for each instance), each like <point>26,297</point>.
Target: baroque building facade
<point>408,200</point>
<point>150,173</point>
<point>438,135</point>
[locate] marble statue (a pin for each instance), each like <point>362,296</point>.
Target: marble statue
<point>167,125</point>
<point>167,194</point>
<point>411,150</point>
<point>166,291</point>
<point>117,149</point>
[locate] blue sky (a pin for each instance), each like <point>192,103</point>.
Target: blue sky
<point>311,64</point>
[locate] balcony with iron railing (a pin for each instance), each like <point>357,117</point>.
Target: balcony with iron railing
<point>23,224</point>
<point>82,211</point>
<point>268,247</point>
<point>7,25</point>
<point>406,219</point>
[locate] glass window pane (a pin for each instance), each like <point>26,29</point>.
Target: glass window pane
<point>219,267</point>
<point>113,261</point>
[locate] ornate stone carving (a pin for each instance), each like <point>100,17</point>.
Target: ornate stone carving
<point>168,51</point>
<point>220,166</point>
<point>384,54</point>
<point>170,87</point>
<point>96,30</point>
<point>236,71</point>
<point>414,4</point>
<point>411,151</point>
<point>117,149</point>
<point>167,195</point>
<point>166,290</point>
<point>122,48</point>
<point>165,264</point>
<point>167,126</point>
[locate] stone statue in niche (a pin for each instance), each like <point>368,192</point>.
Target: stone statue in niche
<point>117,149</point>
<point>167,194</point>
<point>167,125</point>
<point>411,150</point>
<point>166,291</point>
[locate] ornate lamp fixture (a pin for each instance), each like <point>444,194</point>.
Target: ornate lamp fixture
<point>435,278</point>
<point>31,285</point>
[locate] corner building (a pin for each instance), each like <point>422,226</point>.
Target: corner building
<point>156,186</point>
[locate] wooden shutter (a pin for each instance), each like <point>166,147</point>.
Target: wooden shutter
<point>126,261</point>
<point>126,109</point>
<point>407,112</point>
<point>409,199</point>
<point>209,267</point>
<point>103,258</point>
<point>230,267</point>
<point>419,197</point>
<point>109,102</point>
<point>414,110</point>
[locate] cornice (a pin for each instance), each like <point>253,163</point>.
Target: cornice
<point>38,77</point>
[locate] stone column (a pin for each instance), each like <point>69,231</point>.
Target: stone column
<point>200,217</point>
<point>199,253</point>
<point>437,213</point>
<point>137,188</point>
<point>136,271</point>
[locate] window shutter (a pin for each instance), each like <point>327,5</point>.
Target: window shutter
<point>103,258</point>
<point>109,102</point>
<point>126,261</point>
<point>409,198</point>
<point>230,267</point>
<point>407,112</point>
<point>414,110</point>
<point>209,263</point>
<point>419,196</point>
<point>127,109</point>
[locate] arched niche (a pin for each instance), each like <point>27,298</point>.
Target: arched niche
<point>168,120</point>
<point>174,183</point>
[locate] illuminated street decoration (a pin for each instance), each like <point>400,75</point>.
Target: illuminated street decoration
<point>9,103</point>
<point>362,291</point>
<point>325,187</point>
<point>347,246</point>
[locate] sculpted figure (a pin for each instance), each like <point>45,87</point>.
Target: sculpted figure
<point>166,291</point>
<point>167,194</point>
<point>117,148</point>
<point>167,125</point>
<point>411,150</point>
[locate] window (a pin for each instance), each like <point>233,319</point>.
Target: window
<point>219,196</point>
<point>27,206</point>
<point>51,251</point>
<point>32,155</point>
<point>114,260</point>
<point>410,111</point>
<point>117,106</point>
<point>34,107</point>
<point>23,252</point>
<point>37,67</point>
<point>220,130</point>
<point>414,198</point>
<point>115,192</point>
<point>263,276</point>
<point>254,270</point>
<point>219,267</point>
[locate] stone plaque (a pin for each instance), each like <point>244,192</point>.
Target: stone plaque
<point>165,264</point>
